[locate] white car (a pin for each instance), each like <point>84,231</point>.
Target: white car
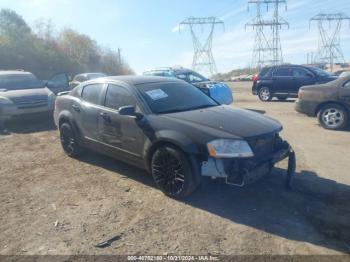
<point>21,93</point>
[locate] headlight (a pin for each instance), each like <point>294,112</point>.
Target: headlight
<point>225,148</point>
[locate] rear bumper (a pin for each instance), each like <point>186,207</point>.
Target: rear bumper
<point>240,172</point>
<point>306,107</point>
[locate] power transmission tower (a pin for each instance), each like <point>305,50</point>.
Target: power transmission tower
<point>267,50</point>
<point>329,49</point>
<point>203,59</point>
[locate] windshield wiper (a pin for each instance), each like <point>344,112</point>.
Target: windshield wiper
<point>171,111</point>
<point>201,107</point>
<point>185,109</point>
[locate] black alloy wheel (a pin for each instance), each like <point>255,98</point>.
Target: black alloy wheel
<point>69,141</point>
<point>172,173</point>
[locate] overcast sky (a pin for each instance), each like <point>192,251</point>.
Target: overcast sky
<point>146,31</point>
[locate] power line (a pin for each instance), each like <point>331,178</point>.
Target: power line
<point>203,59</point>
<point>267,49</point>
<point>329,49</point>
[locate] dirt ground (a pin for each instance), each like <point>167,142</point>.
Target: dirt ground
<point>53,204</point>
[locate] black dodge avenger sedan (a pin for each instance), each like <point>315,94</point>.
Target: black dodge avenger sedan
<point>171,129</point>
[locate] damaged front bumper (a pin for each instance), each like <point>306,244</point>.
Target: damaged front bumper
<point>244,171</point>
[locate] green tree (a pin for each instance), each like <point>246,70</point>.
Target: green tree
<point>42,52</point>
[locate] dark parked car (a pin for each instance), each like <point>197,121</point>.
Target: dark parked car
<point>284,81</point>
<point>219,91</point>
<point>329,102</point>
<point>84,77</point>
<point>171,129</point>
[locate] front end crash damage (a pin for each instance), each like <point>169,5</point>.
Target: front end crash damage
<point>244,171</point>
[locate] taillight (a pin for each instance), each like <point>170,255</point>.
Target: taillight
<point>255,78</point>
<point>300,94</point>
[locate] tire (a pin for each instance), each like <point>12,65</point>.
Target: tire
<point>69,141</point>
<point>282,98</point>
<point>333,117</point>
<point>172,172</point>
<point>265,94</point>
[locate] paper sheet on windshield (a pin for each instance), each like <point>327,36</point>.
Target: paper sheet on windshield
<point>157,94</point>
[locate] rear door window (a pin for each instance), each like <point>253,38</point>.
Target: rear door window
<point>92,93</point>
<point>299,72</point>
<point>118,96</point>
<point>283,72</point>
<point>265,72</point>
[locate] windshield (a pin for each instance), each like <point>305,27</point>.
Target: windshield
<point>192,77</point>
<point>19,82</point>
<point>320,72</point>
<point>174,97</point>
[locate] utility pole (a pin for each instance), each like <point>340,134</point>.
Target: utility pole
<point>120,56</point>
<point>261,43</point>
<point>329,49</point>
<point>309,58</point>
<point>203,59</point>
<point>267,50</point>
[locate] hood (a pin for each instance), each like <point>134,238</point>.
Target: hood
<point>22,93</point>
<point>237,122</point>
<point>28,97</point>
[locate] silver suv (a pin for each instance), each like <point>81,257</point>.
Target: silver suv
<point>21,93</point>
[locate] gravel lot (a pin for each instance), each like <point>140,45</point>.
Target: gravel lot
<point>52,204</point>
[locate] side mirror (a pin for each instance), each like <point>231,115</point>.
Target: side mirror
<point>309,75</point>
<point>129,111</point>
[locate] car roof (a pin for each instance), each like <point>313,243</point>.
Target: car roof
<point>138,80</point>
<point>14,72</point>
<point>288,65</point>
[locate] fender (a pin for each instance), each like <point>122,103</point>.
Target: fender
<point>178,139</point>
<point>320,105</point>
<point>67,116</point>
<point>168,137</point>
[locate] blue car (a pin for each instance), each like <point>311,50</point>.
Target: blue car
<point>219,91</point>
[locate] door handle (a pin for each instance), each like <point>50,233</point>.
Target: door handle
<point>76,108</point>
<point>105,117</point>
